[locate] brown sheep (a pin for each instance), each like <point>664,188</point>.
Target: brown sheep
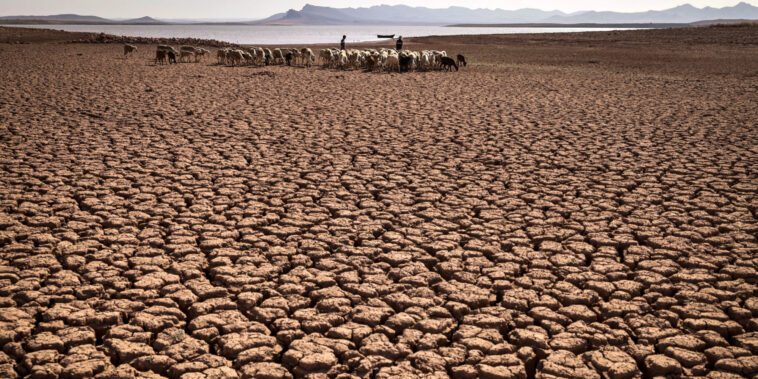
<point>186,55</point>
<point>200,53</point>
<point>235,57</point>
<point>160,57</point>
<point>370,63</point>
<point>448,63</point>
<point>461,60</point>
<point>221,55</point>
<point>129,50</point>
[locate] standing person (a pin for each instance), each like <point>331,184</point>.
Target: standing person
<point>399,44</point>
<point>342,43</point>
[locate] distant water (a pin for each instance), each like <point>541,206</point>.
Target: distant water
<point>290,35</point>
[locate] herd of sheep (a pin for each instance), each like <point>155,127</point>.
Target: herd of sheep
<point>368,59</point>
<point>388,59</point>
<point>264,56</point>
<point>168,54</point>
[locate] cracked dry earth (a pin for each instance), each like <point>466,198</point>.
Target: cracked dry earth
<point>513,220</point>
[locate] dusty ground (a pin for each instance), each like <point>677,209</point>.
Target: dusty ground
<point>567,206</point>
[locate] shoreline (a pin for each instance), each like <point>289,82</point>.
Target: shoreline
<point>505,25</point>
<point>103,37</point>
<point>580,25</point>
<point>675,38</point>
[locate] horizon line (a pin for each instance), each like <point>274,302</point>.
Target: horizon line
<point>368,7</point>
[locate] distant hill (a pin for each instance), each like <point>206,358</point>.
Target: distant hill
<point>725,22</point>
<point>402,14</point>
<point>681,14</point>
<point>143,21</point>
<point>75,19</point>
<point>316,16</point>
<point>57,19</point>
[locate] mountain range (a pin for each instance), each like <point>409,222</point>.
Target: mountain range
<point>76,19</point>
<point>402,14</point>
<point>682,14</point>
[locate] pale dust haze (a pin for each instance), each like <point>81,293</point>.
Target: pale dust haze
<point>243,9</point>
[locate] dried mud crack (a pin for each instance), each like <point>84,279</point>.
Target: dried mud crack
<point>516,219</point>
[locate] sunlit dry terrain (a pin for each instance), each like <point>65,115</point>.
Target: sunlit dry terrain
<point>574,205</point>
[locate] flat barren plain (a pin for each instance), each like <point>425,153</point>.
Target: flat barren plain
<point>567,205</point>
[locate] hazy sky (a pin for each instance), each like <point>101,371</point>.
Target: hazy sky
<point>259,9</point>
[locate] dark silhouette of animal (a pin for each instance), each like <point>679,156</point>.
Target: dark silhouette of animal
<point>288,58</point>
<point>461,60</point>
<point>160,57</point>
<point>370,63</point>
<point>269,57</point>
<point>129,50</point>
<point>448,64</point>
<point>171,57</point>
<point>405,62</point>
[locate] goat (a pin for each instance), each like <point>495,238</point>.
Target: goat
<point>168,48</point>
<point>448,63</point>
<point>129,49</point>
<point>405,61</point>
<point>288,58</point>
<point>160,57</point>
<point>371,63</point>
<point>200,53</point>
<point>186,54</point>
<point>461,60</point>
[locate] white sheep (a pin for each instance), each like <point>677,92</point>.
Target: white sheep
<point>334,56</point>
<point>383,59</point>
<point>260,56</point>
<point>201,53</point>
<point>221,56</point>
<point>235,57</point>
<point>254,54</point>
<point>324,56</point>
<point>186,54</point>
<point>424,62</point>
<point>352,58</point>
<point>168,48</point>
<point>393,62</point>
<point>269,56</point>
<point>247,57</point>
<point>342,60</point>
<point>278,56</point>
<point>308,56</point>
